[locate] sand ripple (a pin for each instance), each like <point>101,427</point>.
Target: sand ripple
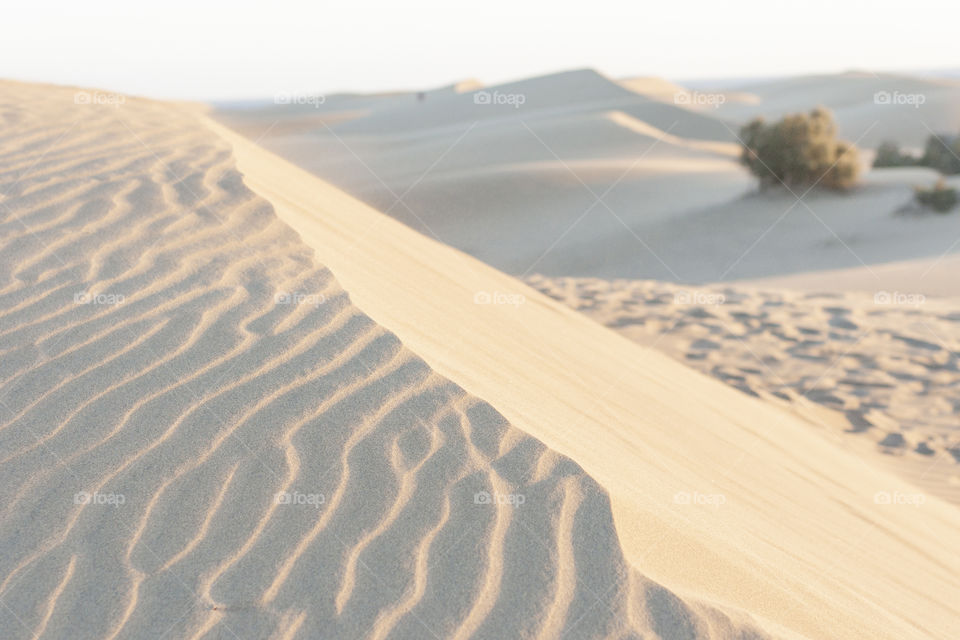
<point>202,437</point>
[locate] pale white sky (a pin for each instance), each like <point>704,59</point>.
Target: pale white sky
<point>213,50</point>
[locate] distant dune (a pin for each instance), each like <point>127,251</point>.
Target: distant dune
<point>658,437</point>
<point>869,107</point>
<point>572,92</point>
<point>591,177</point>
<point>508,181</point>
<point>239,403</point>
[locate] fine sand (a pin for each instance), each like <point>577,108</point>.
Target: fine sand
<point>883,367</point>
<point>237,402</point>
<point>584,176</point>
<point>203,437</point>
<point>713,492</point>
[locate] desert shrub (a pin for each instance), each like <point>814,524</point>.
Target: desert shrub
<point>943,154</point>
<point>890,155</point>
<point>800,150</point>
<point>939,197</point>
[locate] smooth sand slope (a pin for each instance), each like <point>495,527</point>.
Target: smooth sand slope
<point>715,494</point>
<point>779,235</point>
<point>582,91</point>
<point>869,107</point>
<point>590,177</point>
<point>883,367</point>
<point>511,193</point>
<point>203,437</point>
<point>928,277</point>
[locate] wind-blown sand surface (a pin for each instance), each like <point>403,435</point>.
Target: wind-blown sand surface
<point>588,177</point>
<point>204,436</point>
<point>803,538</point>
<point>885,366</point>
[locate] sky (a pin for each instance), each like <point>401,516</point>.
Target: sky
<point>211,50</point>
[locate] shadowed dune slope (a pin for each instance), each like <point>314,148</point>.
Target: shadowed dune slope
<point>581,92</point>
<point>800,539</point>
<point>575,175</point>
<point>522,192</point>
<point>203,437</point>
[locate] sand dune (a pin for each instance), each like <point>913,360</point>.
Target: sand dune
<point>524,198</point>
<point>203,437</point>
<point>206,433</point>
<point>882,367</point>
<point>801,541</point>
<point>510,187</point>
<point>571,92</point>
<point>567,94</point>
<point>666,91</point>
<point>652,87</point>
<point>928,277</point>
<point>868,107</point>
<point>589,177</point>
<point>778,234</point>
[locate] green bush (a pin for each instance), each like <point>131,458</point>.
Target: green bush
<point>939,197</point>
<point>889,155</point>
<point>801,150</point>
<point>943,154</point>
